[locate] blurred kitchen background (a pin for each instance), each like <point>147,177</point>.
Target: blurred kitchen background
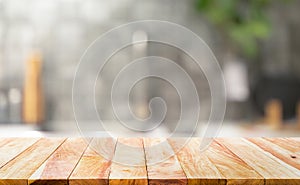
<point>256,42</point>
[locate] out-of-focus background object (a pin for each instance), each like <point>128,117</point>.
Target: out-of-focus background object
<point>241,23</point>
<point>33,108</point>
<point>256,42</point>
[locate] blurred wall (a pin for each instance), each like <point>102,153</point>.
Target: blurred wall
<point>62,30</point>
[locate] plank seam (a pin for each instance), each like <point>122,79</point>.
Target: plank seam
<point>112,157</point>
<point>175,155</point>
<point>145,160</point>
<point>88,144</point>
<point>223,175</point>
<point>45,159</point>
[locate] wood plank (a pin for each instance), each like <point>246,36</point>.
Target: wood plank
<point>59,166</point>
<point>227,160</point>
<point>13,147</point>
<point>18,170</point>
<point>94,165</point>
<point>295,138</point>
<point>296,142</point>
<point>128,165</point>
<point>291,144</point>
<point>277,151</point>
<point>196,165</point>
<point>162,164</point>
<point>268,167</point>
<point>235,170</point>
<point>4,141</point>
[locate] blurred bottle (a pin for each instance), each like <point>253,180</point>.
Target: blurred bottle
<point>3,107</point>
<point>298,114</point>
<point>273,113</point>
<point>14,99</point>
<point>33,102</point>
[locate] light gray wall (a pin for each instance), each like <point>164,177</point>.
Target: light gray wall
<point>63,29</point>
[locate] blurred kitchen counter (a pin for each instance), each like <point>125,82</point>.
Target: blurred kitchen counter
<point>70,129</point>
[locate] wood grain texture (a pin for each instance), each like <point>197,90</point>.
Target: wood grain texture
<point>94,165</point>
<point>128,165</point>
<point>59,166</point>
<point>3,141</point>
<point>277,151</point>
<point>14,147</point>
<point>295,138</point>
<point>291,144</point>
<point>235,170</point>
<point>196,165</point>
<point>268,167</point>
<point>162,164</point>
<point>19,169</point>
<point>149,161</point>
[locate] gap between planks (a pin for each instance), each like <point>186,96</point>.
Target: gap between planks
<point>162,164</point>
<point>20,168</point>
<point>92,167</point>
<point>59,166</point>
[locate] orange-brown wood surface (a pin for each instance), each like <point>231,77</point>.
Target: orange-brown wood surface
<point>162,164</point>
<point>20,168</point>
<point>291,144</point>
<point>149,161</point>
<point>196,165</point>
<point>128,164</point>
<point>94,165</point>
<point>234,169</point>
<point>281,153</point>
<point>271,168</point>
<point>13,147</point>
<point>59,166</point>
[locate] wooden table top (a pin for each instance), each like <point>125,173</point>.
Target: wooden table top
<point>74,161</point>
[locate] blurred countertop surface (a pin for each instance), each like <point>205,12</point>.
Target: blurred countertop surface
<point>70,129</point>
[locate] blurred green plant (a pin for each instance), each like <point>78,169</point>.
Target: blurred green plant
<point>243,22</point>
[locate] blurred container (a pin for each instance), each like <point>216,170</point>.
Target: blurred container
<point>14,99</point>
<point>33,103</point>
<point>3,107</point>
